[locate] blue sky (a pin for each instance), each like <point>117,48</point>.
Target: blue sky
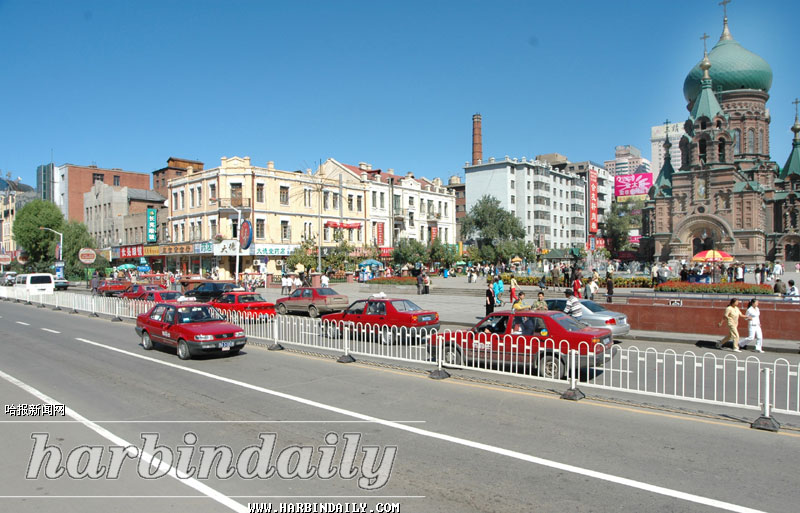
<point>127,84</point>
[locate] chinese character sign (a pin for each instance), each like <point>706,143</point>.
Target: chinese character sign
<point>379,234</point>
<point>152,225</point>
<point>593,219</point>
<point>632,186</point>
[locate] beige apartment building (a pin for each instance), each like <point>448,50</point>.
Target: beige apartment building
<point>283,207</point>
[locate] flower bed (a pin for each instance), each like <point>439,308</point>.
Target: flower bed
<point>637,282</point>
<point>394,280</point>
<point>714,288</point>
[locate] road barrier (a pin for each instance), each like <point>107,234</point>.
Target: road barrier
<point>726,379</point>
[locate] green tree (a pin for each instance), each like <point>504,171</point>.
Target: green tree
<point>306,255</point>
<point>490,226</point>
<point>340,257</point>
<point>622,217</point>
<point>38,244</point>
<point>76,236</point>
<point>442,253</point>
<point>409,251</point>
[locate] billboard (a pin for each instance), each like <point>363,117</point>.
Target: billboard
<point>152,225</point>
<point>593,201</point>
<point>628,187</point>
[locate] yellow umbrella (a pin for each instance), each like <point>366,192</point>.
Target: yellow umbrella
<point>516,259</point>
<point>712,255</point>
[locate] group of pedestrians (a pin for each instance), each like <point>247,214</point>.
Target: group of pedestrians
<point>731,318</point>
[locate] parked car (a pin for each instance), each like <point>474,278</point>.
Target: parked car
<point>192,328</point>
<point>112,287</point>
<point>312,301</point>
<point>162,296</point>
<point>594,314</point>
<point>387,320</point>
<point>8,278</point>
<point>61,284</point>
<point>248,304</point>
<point>539,340</point>
<point>138,290</point>
<point>206,290</point>
<point>35,283</point>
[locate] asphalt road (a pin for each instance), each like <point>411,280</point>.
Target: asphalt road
<point>462,446</point>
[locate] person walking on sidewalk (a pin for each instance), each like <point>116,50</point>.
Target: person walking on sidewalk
<point>754,326</point>
<point>610,289</point>
<point>489,298</point>
<point>576,287</point>
<point>514,286</point>
<point>731,317</point>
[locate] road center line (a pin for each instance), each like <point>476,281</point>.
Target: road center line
<point>698,499</point>
<point>111,437</point>
<point>23,323</point>
<point>51,331</point>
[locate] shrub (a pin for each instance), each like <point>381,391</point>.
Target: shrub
<point>636,282</point>
<point>714,288</point>
<point>394,280</point>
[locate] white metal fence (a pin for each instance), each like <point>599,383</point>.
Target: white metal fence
<point>726,379</point>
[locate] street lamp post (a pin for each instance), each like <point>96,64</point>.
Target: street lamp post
<point>238,244</point>
<point>60,256</point>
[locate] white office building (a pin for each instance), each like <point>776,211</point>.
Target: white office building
<point>550,202</point>
<point>658,134</point>
<point>627,160</point>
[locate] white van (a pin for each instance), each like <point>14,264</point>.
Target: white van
<point>35,284</point>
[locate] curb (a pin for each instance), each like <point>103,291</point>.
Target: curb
<point>674,340</point>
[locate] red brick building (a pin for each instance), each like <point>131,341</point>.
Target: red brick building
<point>71,182</point>
<point>175,169</point>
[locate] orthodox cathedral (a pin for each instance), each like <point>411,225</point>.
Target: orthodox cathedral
<point>726,193</point>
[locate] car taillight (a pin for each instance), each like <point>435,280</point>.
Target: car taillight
<point>611,321</point>
<point>436,317</point>
<point>413,318</point>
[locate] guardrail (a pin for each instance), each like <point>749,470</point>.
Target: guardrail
<point>727,379</point>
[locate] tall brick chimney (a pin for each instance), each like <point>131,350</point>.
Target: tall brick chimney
<point>477,139</point>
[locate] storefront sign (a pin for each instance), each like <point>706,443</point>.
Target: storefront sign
<point>245,235</point>
<point>150,251</point>
<point>203,247</point>
<point>434,232</point>
<point>386,252</point>
<point>277,250</point>
<point>628,187</point>
<point>593,201</point>
<point>176,249</point>
<point>226,248</point>
<point>5,259</point>
<point>87,256</point>
<point>379,234</point>
<point>152,225</point>
<point>131,251</point>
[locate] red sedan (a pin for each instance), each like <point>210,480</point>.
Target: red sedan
<point>540,341</point>
<point>248,304</point>
<point>312,301</point>
<point>112,287</point>
<point>192,328</point>
<point>162,296</point>
<point>390,320</point>
<point>138,290</point>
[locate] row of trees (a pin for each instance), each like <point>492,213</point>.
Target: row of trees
<point>40,245</point>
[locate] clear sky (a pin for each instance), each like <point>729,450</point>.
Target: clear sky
<point>127,84</point>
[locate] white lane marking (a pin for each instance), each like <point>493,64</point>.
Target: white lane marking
<point>23,323</point>
<point>51,331</point>
<point>148,458</point>
<point>699,499</point>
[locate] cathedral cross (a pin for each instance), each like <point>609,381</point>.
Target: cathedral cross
<point>705,36</point>
<point>796,101</point>
<point>724,4</point>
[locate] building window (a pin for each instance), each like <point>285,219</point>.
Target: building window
<point>183,232</point>
<point>513,184</point>
<point>335,200</point>
<point>358,204</point>
<point>307,197</point>
<point>286,233</point>
<point>326,234</point>
<point>175,201</point>
<point>284,196</point>
<point>445,210</point>
<point>737,145</point>
<point>259,228</point>
<point>383,200</point>
<point>411,219</point>
<point>411,201</point>
<point>325,197</point>
<point>374,199</point>
<point>116,180</point>
<point>260,193</point>
<point>751,142</point>
<point>183,202</point>
<point>212,227</point>
<point>98,177</point>
<point>350,202</point>
<point>200,196</point>
<point>191,198</point>
<point>513,199</point>
<point>212,191</point>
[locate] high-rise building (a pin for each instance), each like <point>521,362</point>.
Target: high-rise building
<point>45,181</point>
<point>658,135</point>
<point>627,160</point>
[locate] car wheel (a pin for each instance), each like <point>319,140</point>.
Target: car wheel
<point>452,355</point>
<point>313,312</point>
<point>147,343</point>
<point>183,350</point>
<point>551,366</point>
<point>281,309</point>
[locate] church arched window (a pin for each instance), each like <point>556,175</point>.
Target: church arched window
<point>701,148</point>
<point>761,141</point>
<point>751,141</point>
<point>737,145</point>
<point>721,149</point>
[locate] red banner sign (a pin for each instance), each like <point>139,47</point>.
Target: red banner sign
<point>379,234</point>
<point>592,201</point>
<point>131,251</point>
<point>434,232</point>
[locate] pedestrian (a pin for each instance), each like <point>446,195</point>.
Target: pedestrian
<point>501,287</point>
<point>420,279</point>
<point>543,282</point>
<point>496,291</point>
<point>576,287</point>
<point>792,291</point>
<point>779,287</point>
<point>540,304</point>
<point>573,306</point>
<point>731,318</point>
<point>513,296</point>
<point>325,281</point>
<point>489,298</point>
<point>763,273</point>
<point>587,289</point>
<point>654,274</point>
<point>95,283</point>
<point>740,273</point>
<point>754,326</point>
<point>610,289</point>
<point>296,282</point>
<point>519,303</point>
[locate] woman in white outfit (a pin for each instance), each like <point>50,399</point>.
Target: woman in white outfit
<point>755,326</point>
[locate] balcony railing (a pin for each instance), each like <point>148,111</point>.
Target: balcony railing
<point>400,213</point>
<point>231,203</point>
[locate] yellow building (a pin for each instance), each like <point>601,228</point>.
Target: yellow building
<point>283,208</point>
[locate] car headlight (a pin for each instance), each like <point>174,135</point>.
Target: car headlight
<point>239,334</point>
<point>204,337</point>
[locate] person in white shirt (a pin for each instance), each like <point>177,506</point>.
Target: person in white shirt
<point>297,282</point>
<point>325,281</point>
<point>792,293</point>
<point>754,325</point>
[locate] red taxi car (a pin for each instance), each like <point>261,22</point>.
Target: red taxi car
<point>312,301</point>
<point>248,304</point>
<point>162,296</point>
<point>192,328</point>
<point>112,287</point>
<point>138,290</point>
<point>392,320</point>
<point>540,340</point>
